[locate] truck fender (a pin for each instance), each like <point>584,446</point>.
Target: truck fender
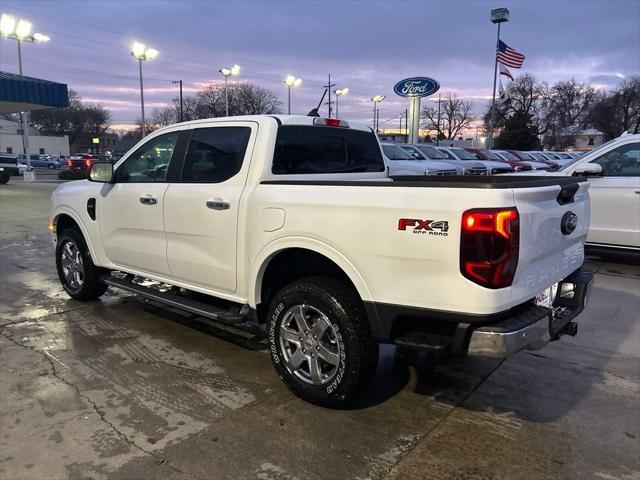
<point>63,210</point>
<point>270,250</point>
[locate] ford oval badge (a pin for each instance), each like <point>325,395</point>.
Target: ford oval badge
<point>416,87</point>
<point>568,223</point>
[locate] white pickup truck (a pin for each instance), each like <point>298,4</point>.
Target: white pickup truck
<point>289,226</point>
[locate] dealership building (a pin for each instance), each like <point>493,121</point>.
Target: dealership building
<point>11,140</point>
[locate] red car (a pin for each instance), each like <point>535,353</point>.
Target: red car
<point>81,162</point>
<point>493,156</point>
<point>525,157</point>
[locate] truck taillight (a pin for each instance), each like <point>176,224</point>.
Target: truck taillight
<point>69,163</point>
<point>489,245</point>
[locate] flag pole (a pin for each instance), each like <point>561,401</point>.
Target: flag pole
<point>493,99</point>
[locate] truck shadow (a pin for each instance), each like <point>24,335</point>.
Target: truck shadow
<point>537,386</point>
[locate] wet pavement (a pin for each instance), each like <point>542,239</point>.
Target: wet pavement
<point>123,389</point>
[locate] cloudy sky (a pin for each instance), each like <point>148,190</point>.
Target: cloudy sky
<point>366,46</point>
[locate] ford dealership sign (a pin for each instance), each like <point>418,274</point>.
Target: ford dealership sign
<point>416,87</point>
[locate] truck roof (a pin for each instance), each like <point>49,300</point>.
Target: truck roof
<point>281,119</point>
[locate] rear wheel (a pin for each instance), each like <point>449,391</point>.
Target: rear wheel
<point>4,177</point>
<point>80,278</point>
<point>320,341</point>
<point>52,166</point>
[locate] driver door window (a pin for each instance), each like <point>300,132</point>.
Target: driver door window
<point>623,161</point>
<point>149,163</point>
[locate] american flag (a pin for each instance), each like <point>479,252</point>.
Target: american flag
<point>508,56</point>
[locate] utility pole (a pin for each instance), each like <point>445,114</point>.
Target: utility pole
<point>174,82</point>
<point>438,129</point>
<point>329,103</point>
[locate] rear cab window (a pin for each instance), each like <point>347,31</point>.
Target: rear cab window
<point>313,149</point>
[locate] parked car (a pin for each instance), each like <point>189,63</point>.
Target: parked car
<point>509,156</point>
<point>517,164</point>
<point>545,158</point>
<point>289,226</point>
<point>8,167</point>
<point>613,170</point>
<point>454,153</point>
<point>494,163</point>
<point>81,162</point>
<point>401,162</point>
<point>40,161</point>
<point>428,152</point>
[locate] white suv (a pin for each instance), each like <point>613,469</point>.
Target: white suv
<point>613,170</point>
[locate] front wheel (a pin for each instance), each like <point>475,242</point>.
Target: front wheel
<point>320,342</point>
<point>80,278</point>
<point>4,177</point>
<point>52,166</point>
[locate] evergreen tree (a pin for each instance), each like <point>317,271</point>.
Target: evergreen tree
<point>518,133</point>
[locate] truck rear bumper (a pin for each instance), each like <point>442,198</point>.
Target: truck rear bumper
<point>536,326</point>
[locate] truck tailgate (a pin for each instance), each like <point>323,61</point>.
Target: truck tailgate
<point>554,222</point>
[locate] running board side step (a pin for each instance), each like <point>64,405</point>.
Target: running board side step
<point>192,306</point>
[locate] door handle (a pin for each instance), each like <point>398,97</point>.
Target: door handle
<point>148,200</point>
<point>218,204</point>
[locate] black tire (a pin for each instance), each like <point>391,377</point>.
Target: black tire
<point>4,177</point>
<point>90,287</point>
<point>352,347</point>
<point>52,166</point>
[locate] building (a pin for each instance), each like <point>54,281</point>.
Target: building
<point>11,140</point>
<point>588,139</point>
<point>86,143</point>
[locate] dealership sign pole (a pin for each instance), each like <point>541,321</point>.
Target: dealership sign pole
<point>414,89</point>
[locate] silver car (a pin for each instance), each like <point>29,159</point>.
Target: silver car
<point>401,162</point>
<point>493,167</point>
<point>432,153</point>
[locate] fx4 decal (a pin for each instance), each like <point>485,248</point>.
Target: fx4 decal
<point>424,227</point>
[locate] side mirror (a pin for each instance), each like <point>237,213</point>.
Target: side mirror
<point>101,172</point>
<point>416,156</point>
<point>588,170</point>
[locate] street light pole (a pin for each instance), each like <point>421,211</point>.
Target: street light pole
<point>291,81</point>
<point>339,93</point>
<point>140,52</point>
<point>376,100</point>
<point>144,125</point>
<point>226,73</point>
<point>438,127</point>
<point>174,82</point>
<point>20,31</point>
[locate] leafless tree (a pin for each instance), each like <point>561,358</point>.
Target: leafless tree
<point>455,115</point>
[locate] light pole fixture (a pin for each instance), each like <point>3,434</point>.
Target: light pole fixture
<point>179,82</point>
<point>499,16</point>
<point>376,100</point>
<point>141,52</point>
<point>339,93</point>
<point>291,81</point>
<point>20,31</point>
<point>226,73</point>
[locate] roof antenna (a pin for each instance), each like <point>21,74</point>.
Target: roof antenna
<point>314,111</point>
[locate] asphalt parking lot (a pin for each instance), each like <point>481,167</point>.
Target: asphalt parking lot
<point>123,389</point>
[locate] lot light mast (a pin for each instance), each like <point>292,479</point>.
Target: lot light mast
<point>340,93</point>
<point>499,16</point>
<point>291,81</point>
<point>20,31</point>
<point>376,100</point>
<point>141,52</point>
<point>226,73</point>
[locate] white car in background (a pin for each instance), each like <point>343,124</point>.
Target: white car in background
<point>427,152</point>
<point>401,162</point>
<point>613,170</point>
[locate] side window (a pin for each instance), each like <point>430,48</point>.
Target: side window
<point>623,161</point>
<point>149,163</point>
<point>447,154</point>
<point>215,154</point>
